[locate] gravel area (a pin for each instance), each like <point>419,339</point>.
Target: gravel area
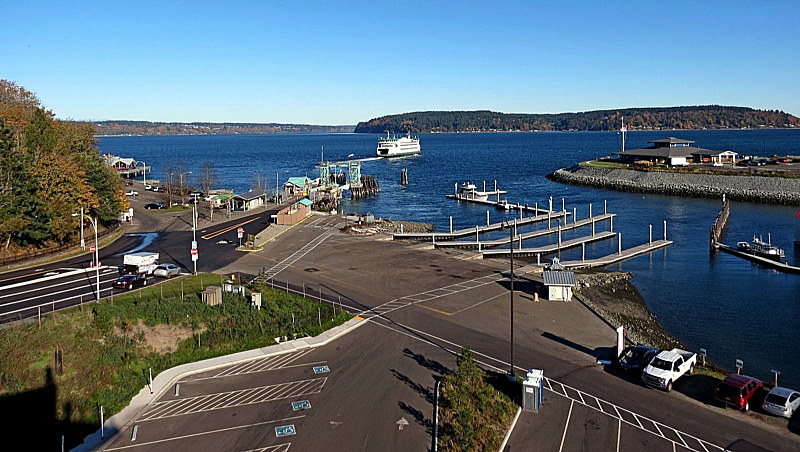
<point>775,190</point>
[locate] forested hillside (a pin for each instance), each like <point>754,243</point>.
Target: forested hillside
<point>48,170</point>
<point>207,128</point>
<point>697,117</point>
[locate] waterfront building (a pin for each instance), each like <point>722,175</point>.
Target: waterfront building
<point>250,200</point>
<point>558,281</point>
<point>297,186</point>
<point>675,152</point>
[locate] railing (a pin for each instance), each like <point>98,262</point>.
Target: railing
<point>4,261</point>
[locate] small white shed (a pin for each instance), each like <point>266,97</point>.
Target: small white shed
<point>559,285</point>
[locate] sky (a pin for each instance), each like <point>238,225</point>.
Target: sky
<point>338,63</point>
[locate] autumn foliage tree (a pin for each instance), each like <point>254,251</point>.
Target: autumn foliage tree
<point>49,169</point>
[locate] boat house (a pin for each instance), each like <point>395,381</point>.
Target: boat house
<point>670,151</point>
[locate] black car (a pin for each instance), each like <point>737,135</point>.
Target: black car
<point>636,358</point>
<point>129,282</point>
<point>154,205</point>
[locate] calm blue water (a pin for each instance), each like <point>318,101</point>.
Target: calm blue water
<point>724,304</point>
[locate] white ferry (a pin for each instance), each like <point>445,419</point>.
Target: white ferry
<point>398,147</point>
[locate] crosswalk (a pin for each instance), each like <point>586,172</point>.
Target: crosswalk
<point>294,257</point>
<point>263,364</point>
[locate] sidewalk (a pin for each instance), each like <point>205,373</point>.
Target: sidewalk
<point>166,379</point>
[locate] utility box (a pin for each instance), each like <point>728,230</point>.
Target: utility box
<point>532,390</point>
<point>256,300</point>
<point>212,296</point>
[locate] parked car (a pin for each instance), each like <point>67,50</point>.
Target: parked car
<point>160,189</point>
<point>128,183</point>
<point>167,270</point>
<point>132,193</point>
<point>129,282</point>
<point>634,359</point>
<point>667,366</point>
<point>737,390</point>
<point>153,205</point>
<point>148,187</point>
<point>781,402</point>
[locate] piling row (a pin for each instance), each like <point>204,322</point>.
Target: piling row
<point>719,224</point>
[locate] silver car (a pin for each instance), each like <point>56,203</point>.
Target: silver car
<point>781,402</point>
<point>167,270</point>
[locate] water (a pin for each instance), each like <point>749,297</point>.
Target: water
<point>729,306</point>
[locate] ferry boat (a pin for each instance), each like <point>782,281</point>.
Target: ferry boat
<point>758,247</point>
<point>398,147</point>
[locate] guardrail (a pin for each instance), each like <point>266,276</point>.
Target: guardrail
<point>5,261</point>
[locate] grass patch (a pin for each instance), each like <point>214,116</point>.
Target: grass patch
<point>107,348</point>
<point>603,164</point>
<point>476,407</point>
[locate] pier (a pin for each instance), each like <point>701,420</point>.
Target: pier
<point>548,249</point>
<point>531,235</point>
<point>776,265</point>
<point>477,230</point>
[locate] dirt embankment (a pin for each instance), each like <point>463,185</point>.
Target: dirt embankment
<point>613,297</point>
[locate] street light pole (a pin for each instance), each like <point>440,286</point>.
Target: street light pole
<point>144,171</point>
<point>93,221</point>
<point>511,374</point>
<point>194,231</point>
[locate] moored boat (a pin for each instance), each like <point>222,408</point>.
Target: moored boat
<point>759,247</point>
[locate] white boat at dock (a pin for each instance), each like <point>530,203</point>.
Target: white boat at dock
<point>759,247</point>
<point>398,147</point>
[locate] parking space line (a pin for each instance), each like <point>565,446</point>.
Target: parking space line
<point>278,448</point>
<point>564,436</point>
<point>198,404</point>
<point>619,432</point>
<point>211,432</point>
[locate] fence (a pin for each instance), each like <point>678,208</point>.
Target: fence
<point>52,250</point>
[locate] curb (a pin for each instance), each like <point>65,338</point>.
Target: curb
<point>510,429</point>
<point>165,380</point>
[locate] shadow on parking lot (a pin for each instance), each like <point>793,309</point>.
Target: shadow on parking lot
<point>604,353</point>
<point>741,445</point>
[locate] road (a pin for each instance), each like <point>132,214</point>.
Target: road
<point>420,307</point>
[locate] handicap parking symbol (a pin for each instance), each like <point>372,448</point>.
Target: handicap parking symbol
<point>301,405</point>
<point>285,430</point>
<point>321,369</point>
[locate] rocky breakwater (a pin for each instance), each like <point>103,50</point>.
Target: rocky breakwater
<point>751,188</point>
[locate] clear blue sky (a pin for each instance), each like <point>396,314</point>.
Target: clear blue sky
<point>344,62</point>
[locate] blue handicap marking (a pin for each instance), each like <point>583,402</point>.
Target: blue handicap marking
<point>301,405</point>
<point>321,369</point>
<point>285,430</point>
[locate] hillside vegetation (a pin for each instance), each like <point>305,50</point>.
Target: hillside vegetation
<point>49,169</point>
<point>207,128</point>
<point>696,117</point>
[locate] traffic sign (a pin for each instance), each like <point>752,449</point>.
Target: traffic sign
<point>240,232</point>
<point>92,248</point>
<point>194,244</point>
<point>284,430</point>
<point>194,251</point>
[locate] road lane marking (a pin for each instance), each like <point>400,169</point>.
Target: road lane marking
<point>211,432</point>
<point>219,232</point>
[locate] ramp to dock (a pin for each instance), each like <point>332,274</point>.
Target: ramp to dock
<point>618,257</point>
<point>547,249</point>
<point>477,230</point>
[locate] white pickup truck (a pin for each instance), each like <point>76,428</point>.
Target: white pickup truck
<point>667,367</point>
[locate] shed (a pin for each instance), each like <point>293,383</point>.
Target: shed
<point>559,284</point>
<point>293,214</point>
<point>250,200</point>
<point>297,186</point>
<point>212,296</point>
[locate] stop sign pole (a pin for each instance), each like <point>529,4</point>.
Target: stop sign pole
<point>240,233</point>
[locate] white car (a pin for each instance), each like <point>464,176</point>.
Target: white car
<point>781,402</point>
<point>148,187</point>
<point>132,193</point>
<point>167,270</point>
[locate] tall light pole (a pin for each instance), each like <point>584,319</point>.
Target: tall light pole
<point>194,234</point>
<point>181,184</point>
<point>511,374</point>
<point>93,221</point>
<point>144,171</point>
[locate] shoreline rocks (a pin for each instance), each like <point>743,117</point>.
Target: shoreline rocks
<point>761,189</point>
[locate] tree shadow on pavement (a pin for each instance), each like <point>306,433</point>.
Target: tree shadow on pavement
<point>429,364</point>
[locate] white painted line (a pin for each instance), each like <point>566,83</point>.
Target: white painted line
<point>564,436</point>
<point>211,432</point>
<point>619,431</point>
<point>135,431</point>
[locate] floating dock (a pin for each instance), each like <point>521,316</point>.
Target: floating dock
<point>777,265</point>
<point>548,249</point>
<point>477,230</point>
<point>617,257</point>
<point>530,235</point>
